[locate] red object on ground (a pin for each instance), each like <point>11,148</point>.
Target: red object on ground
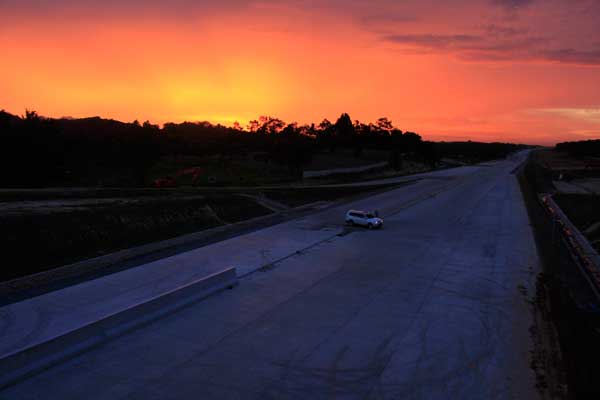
<point>194,171</point>
<point>169,182</point>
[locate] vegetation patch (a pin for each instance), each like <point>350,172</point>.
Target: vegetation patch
<point>97,152</point>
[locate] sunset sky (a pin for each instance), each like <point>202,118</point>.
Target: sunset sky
<point>510,70</point>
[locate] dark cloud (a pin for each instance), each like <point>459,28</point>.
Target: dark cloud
<point>504,30</point>
<point>512,30</point>
<point>116,8</point>
<point>562,31</point>
<point>573,56</point>
<point>494,48</point>
<point>433,41</point>
<point>464,42</point>
<point>385,19</point>
<point>512,3</point>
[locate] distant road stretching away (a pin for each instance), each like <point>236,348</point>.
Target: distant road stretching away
<point>430,307</point>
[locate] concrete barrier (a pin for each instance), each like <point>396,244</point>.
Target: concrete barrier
<point>101,262</point>
<point>31,360</point>
<point>339,171</point>
<point>580,250</point>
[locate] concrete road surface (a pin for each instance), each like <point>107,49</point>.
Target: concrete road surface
<point>433,306</point>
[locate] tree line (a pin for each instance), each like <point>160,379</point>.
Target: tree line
<point>583,148</point>
<point>42,152</point>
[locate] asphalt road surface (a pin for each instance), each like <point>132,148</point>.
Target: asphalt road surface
<point>433,306</point>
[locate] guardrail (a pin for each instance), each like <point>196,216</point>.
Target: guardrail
<point>29,361</point>
<point>580,250</point>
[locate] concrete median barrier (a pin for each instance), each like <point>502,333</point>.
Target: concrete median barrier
<point>28,361</point>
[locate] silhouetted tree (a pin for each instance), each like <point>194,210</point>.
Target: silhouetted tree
<point>38,151</point>
<point>325,126</point>
<point>384,125</point>
<point>344,127</point>
<point>290,129</point>
<point>147,125</point>
<point>325,135</point>
<point>411,141</point>
<point>430,153</point>
<point>396,148</point>
<point>266,125</point>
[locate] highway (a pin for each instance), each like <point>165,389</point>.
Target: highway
<point>433,306</point>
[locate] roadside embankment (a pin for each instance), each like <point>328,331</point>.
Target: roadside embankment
<point>42,235</point>
<point>567,325</point>
<point>43,229</point>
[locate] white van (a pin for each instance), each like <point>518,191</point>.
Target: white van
<point>364,218</point>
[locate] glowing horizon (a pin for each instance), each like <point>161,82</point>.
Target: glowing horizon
<point>496,70</point>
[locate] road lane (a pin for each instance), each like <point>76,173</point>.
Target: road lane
<point>429,307</point>
<point>35,320</point>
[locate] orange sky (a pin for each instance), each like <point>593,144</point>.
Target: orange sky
<point>511,70</point>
